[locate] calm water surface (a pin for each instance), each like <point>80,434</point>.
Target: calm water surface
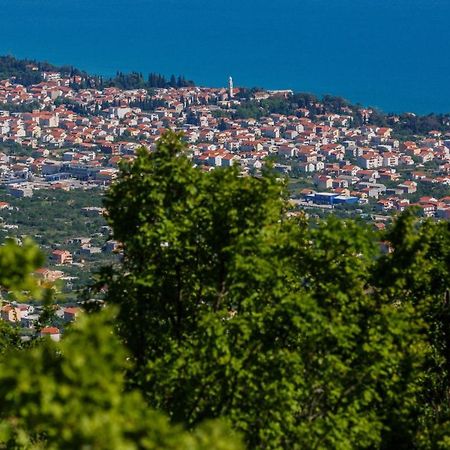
<point>393,54</point>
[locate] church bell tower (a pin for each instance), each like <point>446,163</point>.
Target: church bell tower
<point>230,87</point>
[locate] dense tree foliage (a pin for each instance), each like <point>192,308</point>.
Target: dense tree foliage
<point>24,107</point>
<point>136,80</point>
<point>148,104</point>
<point>16,265</point>
<point>28,72</point>
<point>417,275</point>
<point>258,109</point>
<point>63,216</point>
<point>289,105</point>
<point>71,394</point>
<point>23,70</point>
<point>302,335</point>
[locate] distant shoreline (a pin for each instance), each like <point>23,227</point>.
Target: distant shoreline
<point>110,74</point>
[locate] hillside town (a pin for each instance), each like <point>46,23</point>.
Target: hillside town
<point>58,137</point>
<point>76,138</point>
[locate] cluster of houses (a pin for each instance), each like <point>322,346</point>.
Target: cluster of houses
<point>80,135</point>
<point>75,138</point>
<point>26,316</point>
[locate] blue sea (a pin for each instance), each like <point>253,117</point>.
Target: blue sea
<point>392,54</point>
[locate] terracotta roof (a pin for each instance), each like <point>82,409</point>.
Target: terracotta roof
<point>50,330</point>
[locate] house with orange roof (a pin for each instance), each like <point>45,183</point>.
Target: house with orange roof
<point>62,257</point>
<point>48,275</point>
<point>11,313</point>
<point>51,332</point>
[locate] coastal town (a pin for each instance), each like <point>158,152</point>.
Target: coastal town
<point>224,225</point>
<point>60,140</point>
<point>76,138</point>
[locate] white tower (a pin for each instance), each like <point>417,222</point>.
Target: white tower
<point>230,87</point>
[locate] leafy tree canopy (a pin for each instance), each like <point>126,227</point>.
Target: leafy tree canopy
<point>71,394</point>
<point>297,333</point>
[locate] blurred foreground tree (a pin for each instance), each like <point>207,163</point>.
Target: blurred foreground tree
<point>16,266</point>
<point>70,394</point>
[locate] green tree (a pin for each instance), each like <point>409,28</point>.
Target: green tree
<point>181,232</point>
<point>16,266</point>
<point>71,395</point>
<point>233,310</point>
<point>416,274</point>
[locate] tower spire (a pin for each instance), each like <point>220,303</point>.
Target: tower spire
<point>230,87</point>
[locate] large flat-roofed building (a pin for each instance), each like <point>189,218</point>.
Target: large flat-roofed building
<point>330,198</point>
<point>322,198</point>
